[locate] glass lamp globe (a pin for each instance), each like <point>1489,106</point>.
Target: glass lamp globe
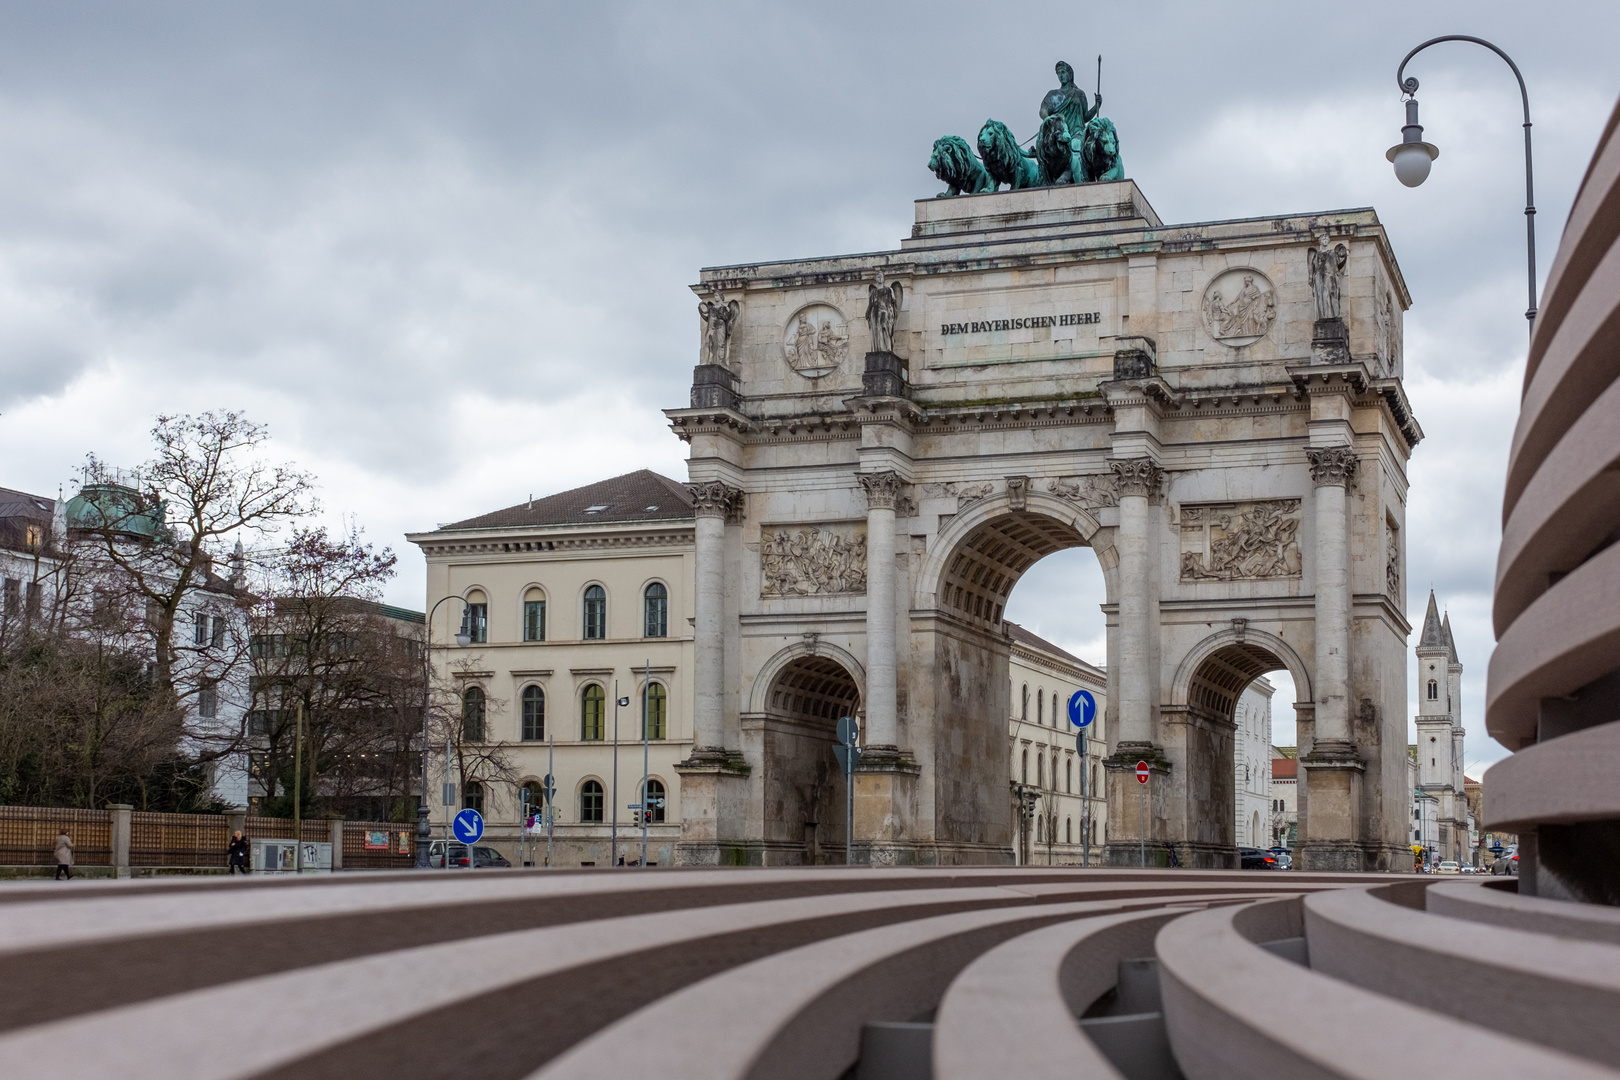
<point>463,638</point>
<point>1412,161</point>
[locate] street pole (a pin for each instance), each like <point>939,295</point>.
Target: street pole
<point>298,790</point>
<point>646,735</point>
<point>1142,839</point>
<point>1409,88</point>
<point>1085,804</point>
<point>548,800</point>
<point>613,830</point>
<point>424,827</point>
<point>447,814</point>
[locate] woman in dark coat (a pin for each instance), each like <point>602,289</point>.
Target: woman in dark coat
<point>237,853</point>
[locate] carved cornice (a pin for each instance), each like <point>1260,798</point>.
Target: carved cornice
<point>686,423</point>
<point>1333,466</point>
<point>1136,476</point>
<point>883,489</point>
<point>717,499</point>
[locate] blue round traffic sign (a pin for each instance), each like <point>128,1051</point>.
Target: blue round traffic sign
<point>469,826</point>
<point>1082,708</point>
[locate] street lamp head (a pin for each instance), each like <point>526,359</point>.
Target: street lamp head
<point>463,638</point>
<point>1412,156</point>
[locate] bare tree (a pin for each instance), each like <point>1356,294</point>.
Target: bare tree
<point>323,647</point>
<point>152,541</point>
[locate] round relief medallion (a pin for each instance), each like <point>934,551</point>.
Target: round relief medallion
<point>1239,307</point>
<point>816,340</point>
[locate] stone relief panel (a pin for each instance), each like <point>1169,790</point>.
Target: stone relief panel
<point>812,560</point>
<point>1389,334</point>
<point>816,340</point>
<point>1239,307</point>
<point>964,493</point>
<point>1090,492</point>
<point>1247,541</point>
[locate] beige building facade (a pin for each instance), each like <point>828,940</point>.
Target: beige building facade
<point>1059,796</point>
<point>569,600</point>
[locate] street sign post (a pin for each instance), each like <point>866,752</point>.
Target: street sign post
<point>1082,711</point>
<point>469,829</point>
<point>849,732</point>
<point>1142,774</point>
<point>548,793</point>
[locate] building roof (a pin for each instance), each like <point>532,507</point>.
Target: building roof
<point>1284,768</point>
<point>1285,751</point>
<point>1434,635</point>
<point>639,496</point>
<point>1451,644</point>
<point>20,504</point>
<point>1035,641</point>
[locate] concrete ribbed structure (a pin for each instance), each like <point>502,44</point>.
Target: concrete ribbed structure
<point>1554,688</point>
<point>961,973</point>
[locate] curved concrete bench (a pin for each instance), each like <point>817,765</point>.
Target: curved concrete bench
<point>1234,1011</point>
<point>1012,1011</point>
<point>798,1015</point>
<point>1564,993</point>
<point>1480,903</point>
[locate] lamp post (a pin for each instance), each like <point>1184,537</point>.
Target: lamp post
<point>1412,156</point>
<point>423,832</point>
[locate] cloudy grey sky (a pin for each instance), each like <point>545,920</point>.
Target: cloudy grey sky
<point>444,250</point>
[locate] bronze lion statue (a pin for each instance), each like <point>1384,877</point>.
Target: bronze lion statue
<point>954,165</point>
<point>1006,163</point>
<point>1099,152</point>
<point>1056,153</point>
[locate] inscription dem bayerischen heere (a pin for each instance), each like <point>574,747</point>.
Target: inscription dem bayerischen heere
<point>1029,322</point>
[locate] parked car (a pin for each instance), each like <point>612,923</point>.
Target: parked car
<point>1252,858</point>
<point>1506,863</point>
<point>486,856</point>
<point>1448,866</point>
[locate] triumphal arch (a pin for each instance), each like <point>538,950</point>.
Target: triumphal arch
<point>881,444</point>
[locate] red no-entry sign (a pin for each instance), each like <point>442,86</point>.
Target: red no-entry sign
<point>1141,772</point>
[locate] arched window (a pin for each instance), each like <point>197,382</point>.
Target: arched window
<point>1068,776</point>
<point>593,713</point>
<point>1094,779</point>
<point>1023,713</point>
<point>657,610</point>
<point>1026,766</point>
<point>1434,690</point>
<point>1068,830</point>
<point>595,613</point>
<point>1039,839</point>
<point>534,616</point>
<point>472,714</point>
<point>534,714</point>
<point>1056,712</point>
<point>1040,779</point>
<point>473,796</point>
<point>657,708</point>
<point>475,618</point>
<point>590,801</point>
<point>1040,705</point>
<point>655,801</point>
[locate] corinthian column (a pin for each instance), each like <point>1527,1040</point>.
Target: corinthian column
<point>712,504</point>
<point>1137,479</point>
<point>1332,469</point>
<point>882,714</point>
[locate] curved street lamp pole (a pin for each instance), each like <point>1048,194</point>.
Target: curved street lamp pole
<point>1412,156</point>
<point>423,831</point>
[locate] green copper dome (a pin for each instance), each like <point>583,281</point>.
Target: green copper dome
<point>98,506</point>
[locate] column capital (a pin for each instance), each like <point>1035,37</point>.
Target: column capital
<point>1333,466</point>
<point>1137,476</point>
<point>883,489</point>
<point>716,499</point>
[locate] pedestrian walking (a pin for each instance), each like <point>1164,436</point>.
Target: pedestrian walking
<point>237,853</point>
<point>64,856</point>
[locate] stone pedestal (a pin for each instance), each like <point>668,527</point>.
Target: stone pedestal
<point>1330,342</point>
<point>886,809</point>
<point>1124,846</point>
<point>714,799</point>
<point>885,375</point>
<point>121,819</point>
<point>714,387</point>
<point>1328,841</point>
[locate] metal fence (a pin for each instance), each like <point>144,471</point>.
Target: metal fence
<point>28,835</point>
<point>188,841</point>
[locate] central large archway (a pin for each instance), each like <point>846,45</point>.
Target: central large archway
<point>958,687</point>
